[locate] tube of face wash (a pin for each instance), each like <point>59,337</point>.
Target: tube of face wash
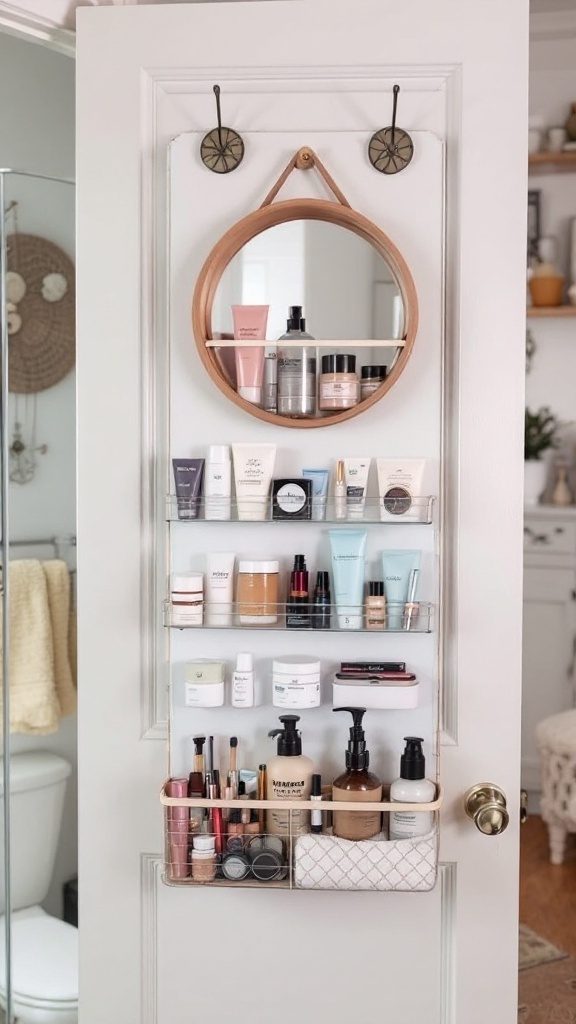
<point>348,554</point>
<point>188,475</point>
<point>356,478</point>
<point>319,478</point>
<point>250,325</point>
<point>253,471</point>
<point>219,587</point>
<point>397,567</point>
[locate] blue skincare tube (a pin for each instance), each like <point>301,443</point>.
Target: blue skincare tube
<point>348,549</point>
<point>319,478</point>
<point>397,567</point>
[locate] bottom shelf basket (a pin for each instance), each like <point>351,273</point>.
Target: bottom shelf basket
<point>206,846</point>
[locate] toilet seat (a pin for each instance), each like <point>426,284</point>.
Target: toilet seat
<point>44,968</point>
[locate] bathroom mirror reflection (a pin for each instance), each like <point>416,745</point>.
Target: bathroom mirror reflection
<point>324,270</point>
<point>345,287</point>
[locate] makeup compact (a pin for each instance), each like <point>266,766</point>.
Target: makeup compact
<point>235,867</point>
<point>292,499</point>
<point>268,866</point>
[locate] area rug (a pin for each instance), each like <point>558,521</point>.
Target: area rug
<point>547,982</point>
<point>534,950</point>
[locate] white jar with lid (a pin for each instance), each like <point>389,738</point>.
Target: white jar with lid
<point>295,682</point>
<point>187,599</point>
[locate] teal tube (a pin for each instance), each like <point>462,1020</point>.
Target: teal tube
<point>319,478</point>
<point>348,549</point>
<point>397,567</point>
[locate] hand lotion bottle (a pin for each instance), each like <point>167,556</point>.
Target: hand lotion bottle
<point>288,777</point>
<point>411,788</point>
<point>357,784</point>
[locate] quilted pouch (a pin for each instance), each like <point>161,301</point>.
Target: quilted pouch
<point>396,865</point>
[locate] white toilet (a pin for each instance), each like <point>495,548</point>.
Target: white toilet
<point>44,949</point>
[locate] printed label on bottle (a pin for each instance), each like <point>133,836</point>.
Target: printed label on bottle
<point>356,824</point>
<point>339,389</point>
<point>405,824</point>
<point>291,498</point>
<point>283,822</point>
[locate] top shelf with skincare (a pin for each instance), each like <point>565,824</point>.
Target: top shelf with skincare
<point>204,489</point>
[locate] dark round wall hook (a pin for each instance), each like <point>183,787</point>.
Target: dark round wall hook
<point>391,149</point>
<point>222,149</point>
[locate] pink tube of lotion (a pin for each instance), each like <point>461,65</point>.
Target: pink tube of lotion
<point>250,325</point>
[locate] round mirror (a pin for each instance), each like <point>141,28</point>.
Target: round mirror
<point>337,294</point>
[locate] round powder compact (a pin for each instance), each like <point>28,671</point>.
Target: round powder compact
<point>267,866</point>
<point>265,842</point>
<point>235,867</point>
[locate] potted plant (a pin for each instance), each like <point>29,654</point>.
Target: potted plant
<point>541,433</point>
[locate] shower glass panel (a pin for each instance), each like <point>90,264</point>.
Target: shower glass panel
<point>37,526</point>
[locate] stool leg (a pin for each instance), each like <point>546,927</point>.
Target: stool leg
<point>557,839</point>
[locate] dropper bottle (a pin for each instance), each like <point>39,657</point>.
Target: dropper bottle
<point>357,784</point>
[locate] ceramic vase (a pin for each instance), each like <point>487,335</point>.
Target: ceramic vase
<point>534,480</point>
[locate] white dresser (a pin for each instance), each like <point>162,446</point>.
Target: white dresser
<point>549,635</point>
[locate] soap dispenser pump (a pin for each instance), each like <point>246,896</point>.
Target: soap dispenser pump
<point>357,784</point>
<point>288,777</point>
<point>411,788</point>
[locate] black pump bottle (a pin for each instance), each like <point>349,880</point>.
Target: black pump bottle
<point>357,784</point>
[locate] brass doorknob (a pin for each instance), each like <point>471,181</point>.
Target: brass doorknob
<point>485,804</point>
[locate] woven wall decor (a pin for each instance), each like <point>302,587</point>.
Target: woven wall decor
<point>41,300</point>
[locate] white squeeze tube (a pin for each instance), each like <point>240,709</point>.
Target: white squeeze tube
<point>217,482</point>
<point>219,588</point>
<point>253,471</point>
<point>356,477</point>
<point>348,555</point>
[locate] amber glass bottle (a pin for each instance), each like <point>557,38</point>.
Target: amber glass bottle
<point>357,784</point>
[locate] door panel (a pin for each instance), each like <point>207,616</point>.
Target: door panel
<point>159,87</point>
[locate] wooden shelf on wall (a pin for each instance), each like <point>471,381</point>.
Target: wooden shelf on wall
<point>551,311</point>
<point>552,163</point>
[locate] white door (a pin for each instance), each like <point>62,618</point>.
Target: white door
<point>291,72</point>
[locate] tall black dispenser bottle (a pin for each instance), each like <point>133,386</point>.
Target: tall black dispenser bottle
<point>357,784</point>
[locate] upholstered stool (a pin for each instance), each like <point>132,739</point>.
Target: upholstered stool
<point>556,738</point>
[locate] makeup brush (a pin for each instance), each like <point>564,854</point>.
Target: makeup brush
<point>261,793</point>
<point>233,770</point>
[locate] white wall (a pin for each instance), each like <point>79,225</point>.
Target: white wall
<point>552,90</point>
<point>37,135</point>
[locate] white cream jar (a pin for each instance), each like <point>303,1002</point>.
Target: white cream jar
<point>295,682</point>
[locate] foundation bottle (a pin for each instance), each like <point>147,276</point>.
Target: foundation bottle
<point>288,777</point>
<point>357,784</point>
<point>375,605</point>
<point>339,385</point>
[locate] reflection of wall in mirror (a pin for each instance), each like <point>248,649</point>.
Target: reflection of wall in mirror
<point>267,271</point>
<point>338,290</point>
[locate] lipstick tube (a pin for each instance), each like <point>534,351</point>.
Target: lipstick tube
<point>177,819</point>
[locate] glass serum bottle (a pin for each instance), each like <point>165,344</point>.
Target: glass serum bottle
<point>296,369</point>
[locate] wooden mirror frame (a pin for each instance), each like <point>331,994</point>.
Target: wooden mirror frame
<point>267,217</point>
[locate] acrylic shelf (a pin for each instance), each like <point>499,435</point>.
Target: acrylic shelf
<point>218,616</point>
<point>246,848</point>
<point>226,510</point>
